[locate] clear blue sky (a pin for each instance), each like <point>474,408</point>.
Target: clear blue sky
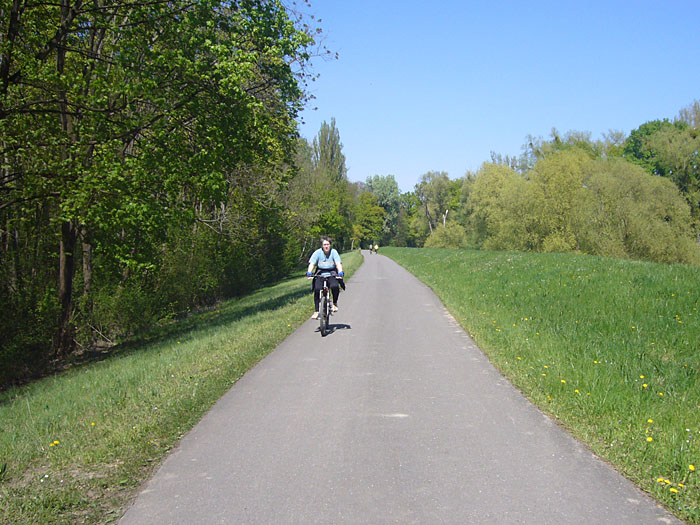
<point>423,86</point>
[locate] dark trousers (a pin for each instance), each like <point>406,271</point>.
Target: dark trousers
<point>318,285</point>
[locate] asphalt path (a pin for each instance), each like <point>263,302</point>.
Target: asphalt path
<point>396,416</point>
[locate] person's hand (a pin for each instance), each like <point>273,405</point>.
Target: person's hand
<point>309,274</point>
<point>340,274</point>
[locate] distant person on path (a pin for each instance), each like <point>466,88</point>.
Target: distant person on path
<point>328,264</point>
<point>376,248</point>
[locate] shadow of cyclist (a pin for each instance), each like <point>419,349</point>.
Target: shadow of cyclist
<point>333,327</point>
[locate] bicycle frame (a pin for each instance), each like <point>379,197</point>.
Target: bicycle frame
<point>324,305</point>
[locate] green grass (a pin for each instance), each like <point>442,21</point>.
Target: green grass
<point>610,348</point>
<point>76,446</point>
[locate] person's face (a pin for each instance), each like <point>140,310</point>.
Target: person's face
<point>326,246</point>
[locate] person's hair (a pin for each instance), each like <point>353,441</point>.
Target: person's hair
<point>326,238</point>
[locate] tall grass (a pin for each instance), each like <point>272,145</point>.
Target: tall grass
<point>75,446</point>
<point>610,348</point>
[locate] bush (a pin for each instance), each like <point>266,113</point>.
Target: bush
<point>452,235</point>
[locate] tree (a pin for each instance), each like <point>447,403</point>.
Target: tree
<point>690,115</point>
<point>328,157</point>
<point>554,196</point>
<point>637,147</point>
<point>410,222</point>
<point>319,198</point>
<point>437,195</point>
<point>369,219</point>
<point>628,212</point>
<point>677,156</point>
<point>122,121</point>
<point>671,150</point>
<point>499,211</point>
<point>388,196</point>
<point>450,235</point>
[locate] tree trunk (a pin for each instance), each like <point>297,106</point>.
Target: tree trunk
<point>66,271</point>
<point>87,261</point>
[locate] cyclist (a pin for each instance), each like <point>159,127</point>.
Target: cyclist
<point>376,248</point>
<point>328,264</point>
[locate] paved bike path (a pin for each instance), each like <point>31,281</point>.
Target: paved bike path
<point>394,417</point>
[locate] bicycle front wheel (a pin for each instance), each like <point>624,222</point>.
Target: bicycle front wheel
<point>323,315</point>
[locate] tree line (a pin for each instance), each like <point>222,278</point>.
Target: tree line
<point>144,148</point>
<point>628,196</point>
<point>151,165</point>
<point>635,196</point>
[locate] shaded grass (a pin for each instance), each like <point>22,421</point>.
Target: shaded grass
<point>77,445</point>
<point>610,348</point>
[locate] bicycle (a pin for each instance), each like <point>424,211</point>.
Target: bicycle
<point>325,309</point>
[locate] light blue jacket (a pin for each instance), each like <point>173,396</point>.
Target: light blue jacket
<point>325,262</point>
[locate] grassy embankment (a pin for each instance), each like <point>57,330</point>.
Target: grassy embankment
<point>611,348</point>
<point>74,447</point>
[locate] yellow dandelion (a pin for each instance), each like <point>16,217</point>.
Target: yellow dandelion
<point>681,485</point>
<point>660,480</point>
<point>650,420</point>
<point>668,482</point>
<point>644,385</point>
<point>520,358</point>
<point>674,490</point>
<point>577,391</point>
<point>691,467</point>
<point>546,366</point>
<point>595,362</point>
<point>661,394</point>
<point>650,439</point>
<point>92,424</point>
<point>563,381</point>
<point>641,377</point>
<point>544,375</point>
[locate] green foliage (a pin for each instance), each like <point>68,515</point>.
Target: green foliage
<point>389,198</point>
<point>636,148</point>
<point>451,235</point>
<point>370,220</point>
<point>554,194</point>
<point>328,158</point>
<point>671,150</point>
<point>499,214</point>
<point>629,213</point>
<point>677,156</point>
<point>437,195</point>
<point>123,125</point>
<point>573,202</point>
<point>318,198</point>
